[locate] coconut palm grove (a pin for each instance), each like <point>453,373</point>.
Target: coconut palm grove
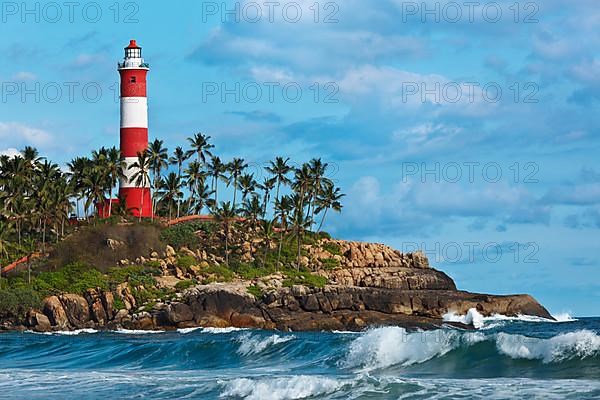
<point>42,203</point>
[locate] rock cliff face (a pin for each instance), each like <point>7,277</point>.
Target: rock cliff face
<point>369,284</point>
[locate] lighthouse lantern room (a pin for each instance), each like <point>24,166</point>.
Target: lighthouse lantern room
<point>134,130</point>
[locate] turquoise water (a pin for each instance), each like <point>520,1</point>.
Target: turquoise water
<point>504,359</point>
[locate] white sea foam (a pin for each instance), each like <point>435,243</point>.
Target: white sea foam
<point>185,331</point>
<point>383,347</point>
<point>294,387</point>
<point>223,330</point>
<point>578,344</point>
<point>473,317</point>
<point>564,317</point>
<point>137,331</point>
<point>66,333</point>
<point>254,344</point>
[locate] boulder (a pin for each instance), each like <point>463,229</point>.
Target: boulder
<point>54,310</point>
<point>178,312</point>
<point>77,310</point>
<point>38,321</point>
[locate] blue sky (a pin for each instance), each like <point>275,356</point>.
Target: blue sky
<point>392,95</point>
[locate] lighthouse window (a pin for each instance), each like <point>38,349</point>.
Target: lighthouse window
<point>132,79</point>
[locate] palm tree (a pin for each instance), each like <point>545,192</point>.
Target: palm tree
<point>225,215</point>
<point>94,182</point>
<point>236,167</point>
<point>114,167</point>
<point>195,178</point>
<point>301,185</point>
<point>329,198</point>
<point>267,233</point>
<point>158,157</point>
<point>203,194</point>
<point>200,146</point>
<point>77,168</point>
<point>171,191</point>
<point>252,211</point>
<point>247,185</point>
<point>216,169</point>
<point>178,158</point>
<point>267,186</point>
<point>141,176</point>
<point>317,171</point>
<point>5,243</point>
<point>283,208</point>
<point>280,169</point>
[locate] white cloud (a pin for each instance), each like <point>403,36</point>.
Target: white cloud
<point>18,133</point>
<point>11,152</point>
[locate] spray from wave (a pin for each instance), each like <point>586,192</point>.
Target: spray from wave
<point>579,344</point>
<point>250,344</point>
<point>295,387</point>
<point>473,317</point>
<point>390,346</point>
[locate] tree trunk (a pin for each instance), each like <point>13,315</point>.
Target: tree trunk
<point>44,236</point>
<point>142,206</point>
<point>322,220</point>
<point>279,251</point>
<point>227,245</point>
<point>234,194</point>
<point>110,191</point>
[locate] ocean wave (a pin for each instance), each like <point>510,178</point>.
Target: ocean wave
<point>579,344</point>
<point>384,347</point>
<point>66,333</point>
<point>283,388</point>
<point>392,346</point>
<point>250,344</point>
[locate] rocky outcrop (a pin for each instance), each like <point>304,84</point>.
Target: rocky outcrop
<point>369,284</point>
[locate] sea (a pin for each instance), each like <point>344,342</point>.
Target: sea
<point>505,358</point>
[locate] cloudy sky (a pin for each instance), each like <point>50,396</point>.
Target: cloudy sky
<point>469,131</point>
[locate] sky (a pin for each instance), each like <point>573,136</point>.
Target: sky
<point>469,130</point>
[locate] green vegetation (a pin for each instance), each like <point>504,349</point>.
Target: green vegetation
<point>43,209</point>
<point>38,202</point>
<point>303,278</point>
<point>18,300</point>
<point>73,278</point>
<point>330,263</point>
<point>135,275</point>
<point>256,292</point>
<point>332,248</point>
<point>218,273</point>
<point>185,263</point>
<point>118,304</point>
<point>182,285</point>
<point>184,235</point>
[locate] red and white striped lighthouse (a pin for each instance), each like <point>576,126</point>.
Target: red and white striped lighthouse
<point>134,128</point>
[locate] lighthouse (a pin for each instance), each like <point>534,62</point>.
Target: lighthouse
<point>134,129</point>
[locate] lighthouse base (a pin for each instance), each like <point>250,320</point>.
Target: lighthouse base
<point>137,200</point>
